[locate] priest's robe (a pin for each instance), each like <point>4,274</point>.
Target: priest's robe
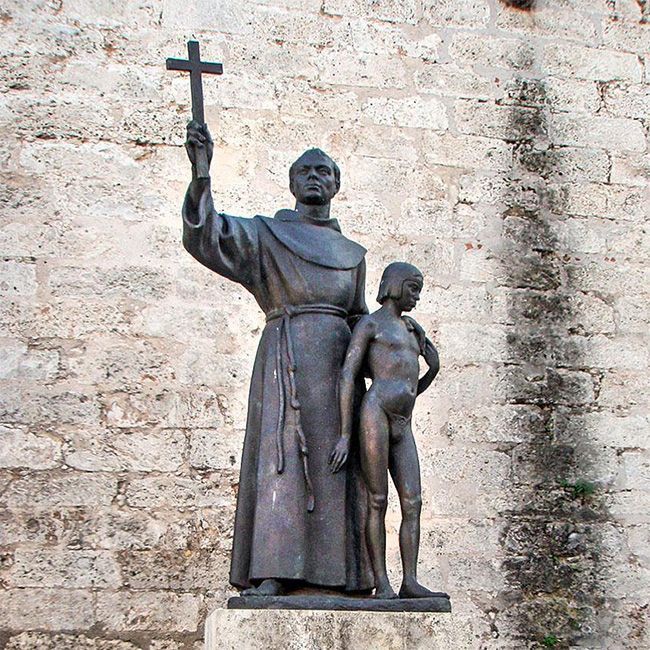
<point>295,520</point>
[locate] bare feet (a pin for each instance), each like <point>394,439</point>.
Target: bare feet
<point>413,589</point>
<point>270,587</point>
<point>384,591</point>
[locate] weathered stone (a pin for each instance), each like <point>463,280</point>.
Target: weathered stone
<point>47,609</point>
<point>392,11</point>
<point>30,640</point>
<point>95,451</point>
<point>589,63</point>
<point>493,52</point>
<point>180,492</point>
<point>465,13</point>
<point>19,448</point>
<point>230,628</point>
<point>493,121</point>
<point>69,569</point>
<point>151,610</point>
<point>450,80</point>
<point>414,112</point>
<point>61,489</point>
<point>17,278</point>
<point>624,100</point>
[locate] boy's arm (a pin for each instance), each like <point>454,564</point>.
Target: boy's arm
<point>433,361</point>
<point>356,353</point>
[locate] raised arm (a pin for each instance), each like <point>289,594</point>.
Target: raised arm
<point>433,361</point>
<point>227,245</point>
<point>198,138</point>
<point>361,337</point>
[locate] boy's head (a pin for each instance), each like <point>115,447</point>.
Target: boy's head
<point>402,282</point>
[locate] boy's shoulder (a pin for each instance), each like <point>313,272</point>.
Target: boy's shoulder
<point>413,326</point>
<point>366,322</point>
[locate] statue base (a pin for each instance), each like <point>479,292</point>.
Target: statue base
<point>270,629</point>
<point>439,603</point>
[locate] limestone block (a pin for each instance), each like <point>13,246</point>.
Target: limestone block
<point>69,569</point>
<point>477,49</point>
<point>557,94</point>
<point>381,142</point>
<point>17,278</point>
<point>465,13</point>
<point>394,11</point>
<point>493,121</point>
<point>174,571</point>
<point>631,169</point>
<point>166,491</point>
<point>567,387</point>
<point>548,20</point>
<point>625,353</point>
<point>18,361</point>
<point>633,314</point>
<point>211,449</point>
<point>482,188</point>
<point>588,63</point>
<point>62,489</point>
<point>636,469</point>
<point>615,134</point>
<point>47,609</point>
<point>451,80</point>
<point>111,450</point>
<point>48,408</point>
<point>232,629</point>
<point>467,152</point>
<point>150,610</point>
<point>31,640</point>
<point>624,100</point>
<point>362,69</point>
<point>19,448</point>
<point>626,36</point>
<point>414,112</point>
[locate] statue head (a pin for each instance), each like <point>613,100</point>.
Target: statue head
<point>397,277</point>
<point>314,179</point>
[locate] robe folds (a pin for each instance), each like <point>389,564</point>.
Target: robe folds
<point>295,520</point>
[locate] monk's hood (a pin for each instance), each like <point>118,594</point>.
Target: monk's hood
<point>320,243</point>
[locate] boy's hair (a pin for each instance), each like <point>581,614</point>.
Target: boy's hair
<point>393,278</point>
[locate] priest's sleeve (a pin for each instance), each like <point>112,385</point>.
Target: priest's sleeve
<point>359,307</point>
<point>227,245</point>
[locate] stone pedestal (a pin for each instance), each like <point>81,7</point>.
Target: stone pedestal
<point>247,629</point>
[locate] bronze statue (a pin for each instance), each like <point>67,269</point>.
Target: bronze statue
<point>386,345</point>
<point>296,523</point>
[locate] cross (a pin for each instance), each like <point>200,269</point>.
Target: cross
<point>196,68</point>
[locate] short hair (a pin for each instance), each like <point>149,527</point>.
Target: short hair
<point>393,278</point>
<point>320,152</point>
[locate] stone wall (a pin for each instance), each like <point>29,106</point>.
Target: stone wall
<point>501,150</point>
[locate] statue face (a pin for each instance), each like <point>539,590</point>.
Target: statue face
<point>313,181</point>
<point>411,289</point>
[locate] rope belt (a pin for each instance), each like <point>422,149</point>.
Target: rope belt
<point>286,314</point>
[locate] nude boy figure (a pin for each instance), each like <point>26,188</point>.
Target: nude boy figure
<point>386,346</point>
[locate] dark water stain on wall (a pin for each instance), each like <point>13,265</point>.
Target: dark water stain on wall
<point>552,536</point>
<point>520,4</point>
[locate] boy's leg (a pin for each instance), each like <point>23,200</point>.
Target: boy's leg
<point>405,470</point>
<point>374,466</point>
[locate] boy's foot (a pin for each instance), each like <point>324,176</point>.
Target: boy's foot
<point>270,587</point>
<point>384,591</point>
<point>413,589</point>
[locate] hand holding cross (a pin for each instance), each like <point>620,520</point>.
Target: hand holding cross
<point>199,143</point>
